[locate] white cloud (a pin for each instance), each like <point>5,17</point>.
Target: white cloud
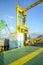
<point>37,33</point>
<point>11,28</point>
<point>3,31</point>
<point>3,34</point>
<point>11,17</point>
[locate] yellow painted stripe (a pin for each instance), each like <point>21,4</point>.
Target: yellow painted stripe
<point>26,58</point>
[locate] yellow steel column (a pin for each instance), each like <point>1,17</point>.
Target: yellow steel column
<point>20,29</point>
<point>25,21</point>
<point>16,19</point>
<point>21,19</point>
<point>24,15</point>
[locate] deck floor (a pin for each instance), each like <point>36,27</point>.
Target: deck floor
<point>8,57</point>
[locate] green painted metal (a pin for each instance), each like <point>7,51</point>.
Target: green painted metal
<point>2,24</point>
<point>15,54</point>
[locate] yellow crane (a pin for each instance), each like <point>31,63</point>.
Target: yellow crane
<point>21,18</point>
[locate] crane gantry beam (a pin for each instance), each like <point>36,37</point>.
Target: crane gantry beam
<point>33,5</point>
<point>22,10</point>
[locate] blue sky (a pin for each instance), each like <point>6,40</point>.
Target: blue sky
<point>34,19</point>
